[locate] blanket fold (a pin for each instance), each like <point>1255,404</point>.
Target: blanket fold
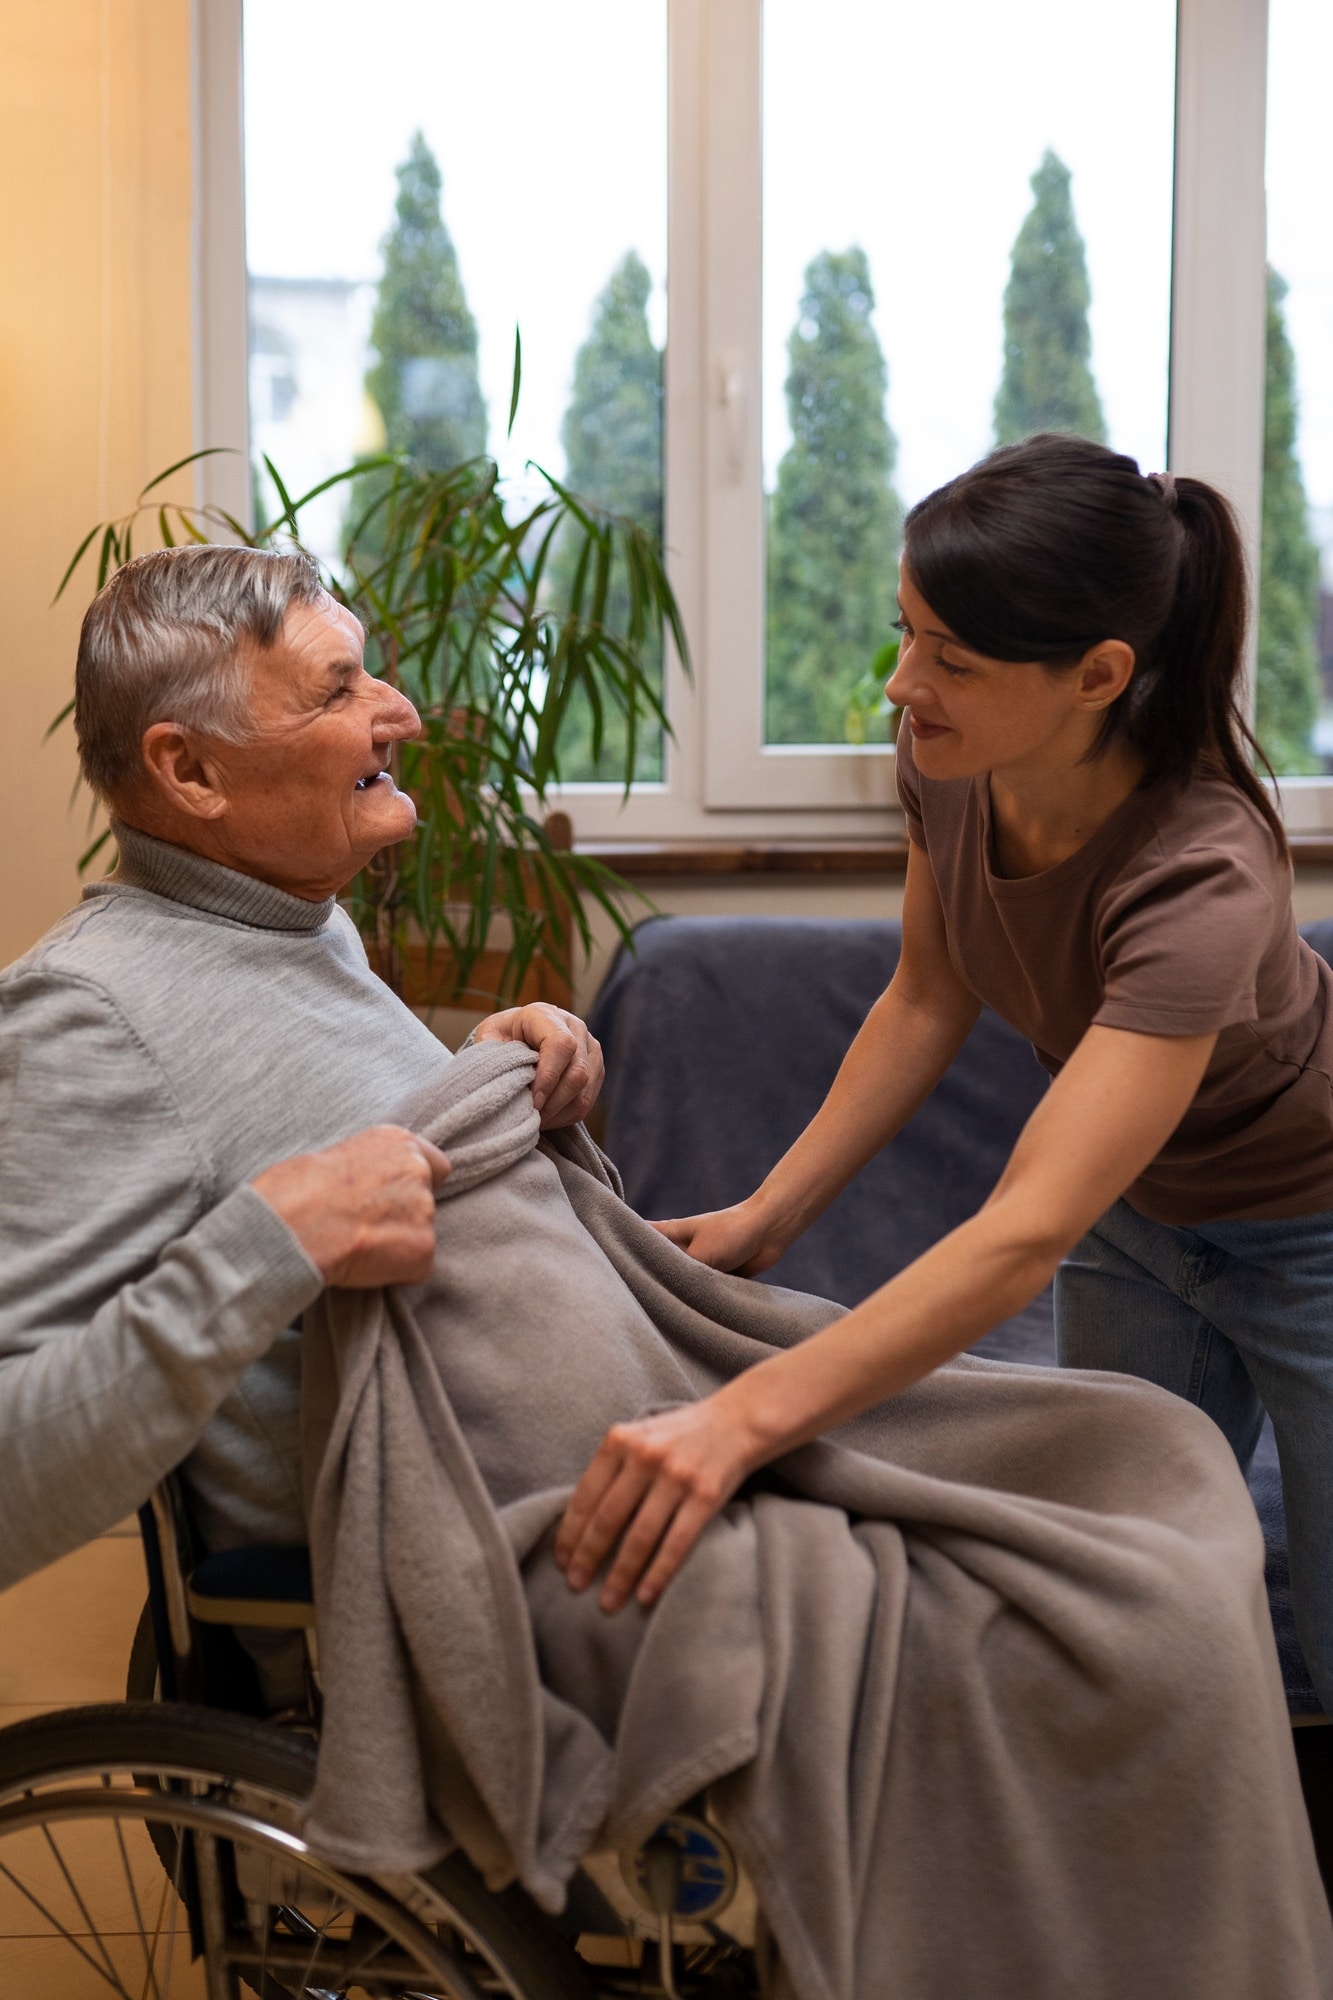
<point>983,1684</point>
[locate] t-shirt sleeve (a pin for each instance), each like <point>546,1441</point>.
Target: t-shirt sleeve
<point>1181,944</point>
<point>909,784</point>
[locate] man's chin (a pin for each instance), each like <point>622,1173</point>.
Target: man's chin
<point>389,819</point>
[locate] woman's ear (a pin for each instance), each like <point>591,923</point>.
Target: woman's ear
<point>180,773</point>
<point>1104,673</point>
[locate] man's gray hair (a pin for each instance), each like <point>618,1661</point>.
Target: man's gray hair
<point>163,642</point>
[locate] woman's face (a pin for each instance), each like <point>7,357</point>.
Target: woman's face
<point>971,714</point>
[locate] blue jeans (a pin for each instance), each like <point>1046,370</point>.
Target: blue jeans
<point>1238,1318</point>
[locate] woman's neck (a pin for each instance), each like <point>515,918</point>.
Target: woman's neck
<point>1041,815</point>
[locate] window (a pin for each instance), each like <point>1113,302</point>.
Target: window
<point>1294,672</point>
<point>744,150</point>
<point>949,201</point>
<point>441,178</point>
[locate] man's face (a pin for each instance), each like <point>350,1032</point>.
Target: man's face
<point>309,800</point>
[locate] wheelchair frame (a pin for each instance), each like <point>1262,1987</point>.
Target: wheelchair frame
<point>219,1795</point>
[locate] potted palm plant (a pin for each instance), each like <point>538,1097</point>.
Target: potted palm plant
<point>455,589</point>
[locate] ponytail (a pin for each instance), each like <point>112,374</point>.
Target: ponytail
<point>1183,714</point>
<point>1048,547</point>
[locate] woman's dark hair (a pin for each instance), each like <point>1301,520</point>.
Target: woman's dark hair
<point>1047,547</point>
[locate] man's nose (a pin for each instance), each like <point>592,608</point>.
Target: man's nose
<point>397,718</point>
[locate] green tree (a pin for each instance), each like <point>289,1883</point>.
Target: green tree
<point>835,520</point>
<point>424,381</point>
<point>612,435</point>
<point>1047,384</point>
<point>1287,678</point>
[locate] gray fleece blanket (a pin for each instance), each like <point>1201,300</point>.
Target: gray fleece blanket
<point>984,1683</point>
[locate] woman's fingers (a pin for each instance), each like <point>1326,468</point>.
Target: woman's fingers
<point>727,1239</point>
<point>678,1232</point>
<point>651,1489</point>
<point>691,1518</point>
<point>641,1538</point>
<point>602,1469</point>
<point>604,1521</point>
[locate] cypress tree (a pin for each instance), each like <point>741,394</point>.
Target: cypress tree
<point>612,430</point>
<point>424,381</point>
<point>612,435</point>
<point>1047,384</point>
<point>835,520</point>
<point>1287,678</point>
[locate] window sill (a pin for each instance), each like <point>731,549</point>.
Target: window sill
<point>699,859</point>
<point>707,860</point>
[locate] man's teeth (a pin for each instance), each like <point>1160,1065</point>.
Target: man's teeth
<point>364,784</point>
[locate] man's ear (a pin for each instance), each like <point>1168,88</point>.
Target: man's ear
<point>1104,673</point>
<point>180,772</point>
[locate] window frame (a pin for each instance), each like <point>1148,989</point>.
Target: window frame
<point>720,780</point>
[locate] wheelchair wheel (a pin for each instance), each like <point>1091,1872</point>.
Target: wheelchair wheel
<point>161,1844</point>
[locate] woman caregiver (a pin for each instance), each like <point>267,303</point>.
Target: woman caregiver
<point>1092,856</point>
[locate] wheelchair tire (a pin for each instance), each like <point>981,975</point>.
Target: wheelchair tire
<point>237,1785</point>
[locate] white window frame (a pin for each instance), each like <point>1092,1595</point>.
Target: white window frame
<point>721,781</point>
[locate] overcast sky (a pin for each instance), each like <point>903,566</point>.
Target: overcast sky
<point>911,129</point>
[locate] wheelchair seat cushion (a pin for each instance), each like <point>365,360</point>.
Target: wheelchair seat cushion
<point>253,1586</point>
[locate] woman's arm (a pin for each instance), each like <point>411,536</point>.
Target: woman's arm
<point>653,1485</point>
<point>904,1046</point>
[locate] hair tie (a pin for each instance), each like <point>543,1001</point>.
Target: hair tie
<point>1165,482</point>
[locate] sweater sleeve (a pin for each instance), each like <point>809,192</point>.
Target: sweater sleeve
<point>131,1299</point>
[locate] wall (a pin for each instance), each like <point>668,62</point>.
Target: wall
<point>95,368</point>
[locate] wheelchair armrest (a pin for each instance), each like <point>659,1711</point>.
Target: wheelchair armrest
<point>254,1586</point>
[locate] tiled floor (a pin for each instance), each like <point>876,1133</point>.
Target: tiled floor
<point>65,1639</point>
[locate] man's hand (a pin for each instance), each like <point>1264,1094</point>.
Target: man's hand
<point>363,1211</point>
<point>654,1486</point>
<point>569,1067</point>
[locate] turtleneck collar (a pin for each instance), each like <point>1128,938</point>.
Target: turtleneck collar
<point>183,877</point>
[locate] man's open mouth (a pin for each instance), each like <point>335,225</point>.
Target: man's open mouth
<point>371,778</point>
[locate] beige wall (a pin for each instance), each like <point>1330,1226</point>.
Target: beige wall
<point>95,373</point>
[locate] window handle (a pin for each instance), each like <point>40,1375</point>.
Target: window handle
<point>732,399</point>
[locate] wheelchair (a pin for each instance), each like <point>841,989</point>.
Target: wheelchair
<point>161,1840</point>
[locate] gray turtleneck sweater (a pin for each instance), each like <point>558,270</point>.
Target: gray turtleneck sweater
<point>179,1031</point>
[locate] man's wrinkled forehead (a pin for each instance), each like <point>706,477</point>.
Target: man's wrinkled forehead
<point>320,644</point>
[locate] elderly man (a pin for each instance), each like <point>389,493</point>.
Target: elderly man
<point>194,1060</point>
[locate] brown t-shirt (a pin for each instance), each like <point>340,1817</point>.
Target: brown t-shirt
<point>1175,918</point>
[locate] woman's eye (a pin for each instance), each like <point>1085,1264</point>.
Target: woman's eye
<point>954,673</point>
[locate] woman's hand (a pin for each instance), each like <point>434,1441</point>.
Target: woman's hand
<point>743,1238</point>
<point>655,1485</point>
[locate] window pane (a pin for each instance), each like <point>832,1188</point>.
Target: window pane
<point>1295,665</point>
<point>423,176</point>
<point>967,237</point>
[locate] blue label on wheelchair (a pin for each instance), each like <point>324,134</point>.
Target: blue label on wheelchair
<point>708,1870</point>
